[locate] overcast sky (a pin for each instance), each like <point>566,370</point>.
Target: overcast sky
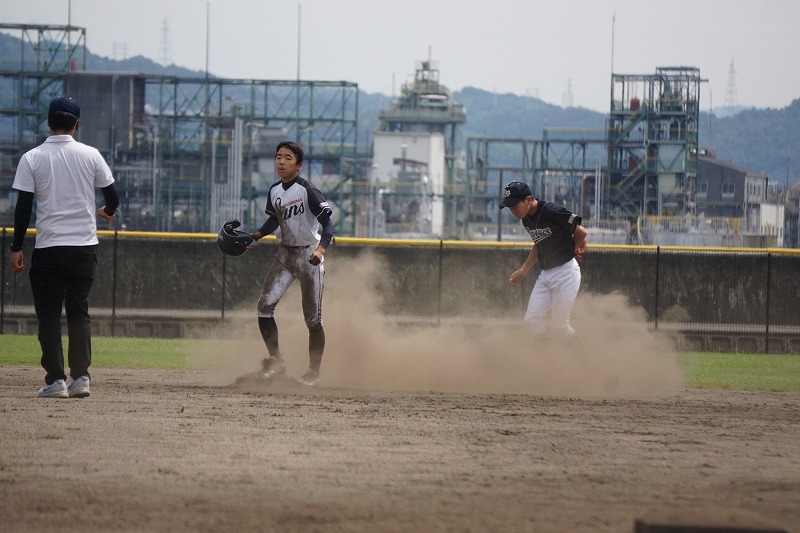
<point>551,49</point>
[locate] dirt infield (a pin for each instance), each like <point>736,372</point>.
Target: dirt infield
<point>173,451</point>
<point>466,426</point>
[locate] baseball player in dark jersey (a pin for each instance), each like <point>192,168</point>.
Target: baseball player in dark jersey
<point>559,241</point>
<point>298,208</point>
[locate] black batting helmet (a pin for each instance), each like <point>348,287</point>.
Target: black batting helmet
<point>232,241</point>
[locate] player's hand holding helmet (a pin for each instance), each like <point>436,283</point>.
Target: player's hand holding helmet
<point>232,241</point>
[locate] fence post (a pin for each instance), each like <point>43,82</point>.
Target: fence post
<point>658,288</point>
<point>224,263</point>
<point>114,287</point>
<point>3,287</point>
<point>769,279</point>
<point>439,295</point>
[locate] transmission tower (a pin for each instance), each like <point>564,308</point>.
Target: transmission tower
<point>731,97</point>
<point>165,57</point>
<point>567,98</point>
<point>119,51</point>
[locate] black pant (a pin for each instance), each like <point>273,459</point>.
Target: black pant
<point>63,276</point>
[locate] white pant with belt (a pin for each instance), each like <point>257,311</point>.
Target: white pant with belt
<point>554,291</point>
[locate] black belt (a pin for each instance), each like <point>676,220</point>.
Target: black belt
<point>295,247</point>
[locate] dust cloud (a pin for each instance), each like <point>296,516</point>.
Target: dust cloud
<point>613,356</point>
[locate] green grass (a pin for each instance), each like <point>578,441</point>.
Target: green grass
<point>107,352</point>
<point>737,371</point>
<point>731,371</point>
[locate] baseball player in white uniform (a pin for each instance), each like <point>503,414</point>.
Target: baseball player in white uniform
<point>559,241</point>
<point>298,208</point>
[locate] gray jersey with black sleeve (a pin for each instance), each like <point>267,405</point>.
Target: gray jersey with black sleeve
<point>298,206</point>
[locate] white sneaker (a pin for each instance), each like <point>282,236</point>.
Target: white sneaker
<point>273,367</point>
<point>78,388</point>
<point>309,379</point>
<point>57,389</point>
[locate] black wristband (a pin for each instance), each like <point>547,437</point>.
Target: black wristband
<point>12,248</point>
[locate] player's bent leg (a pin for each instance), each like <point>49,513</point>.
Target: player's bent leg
<point>535,324</point>
<point>565,291</point>
<point>538,307</point>
<point>269,333</point>
<point>276,282</point>
<point>272,366</point>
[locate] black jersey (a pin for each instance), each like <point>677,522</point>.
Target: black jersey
<point>298,206</point>
<point>551,229</point>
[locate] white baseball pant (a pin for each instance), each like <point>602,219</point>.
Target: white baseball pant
<point>554,291</point>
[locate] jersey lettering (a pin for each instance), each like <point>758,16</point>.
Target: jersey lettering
<point>295,207</point>
<point>539,234</point>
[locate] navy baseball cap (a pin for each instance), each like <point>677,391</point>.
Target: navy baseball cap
<point>515,192</point>
<point>67,104</point>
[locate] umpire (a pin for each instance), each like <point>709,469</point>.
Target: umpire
<point>62,174</point>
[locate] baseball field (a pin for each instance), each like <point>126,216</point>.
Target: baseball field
<point>459,426</point>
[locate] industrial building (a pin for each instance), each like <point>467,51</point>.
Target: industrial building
<point>187,153</point>
<point>190,153</point>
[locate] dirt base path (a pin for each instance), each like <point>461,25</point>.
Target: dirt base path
<point>168,451</point>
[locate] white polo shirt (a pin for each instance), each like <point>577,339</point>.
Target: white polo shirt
<point>63,175</point>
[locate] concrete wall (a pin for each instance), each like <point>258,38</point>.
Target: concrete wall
<point>170,287</point>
